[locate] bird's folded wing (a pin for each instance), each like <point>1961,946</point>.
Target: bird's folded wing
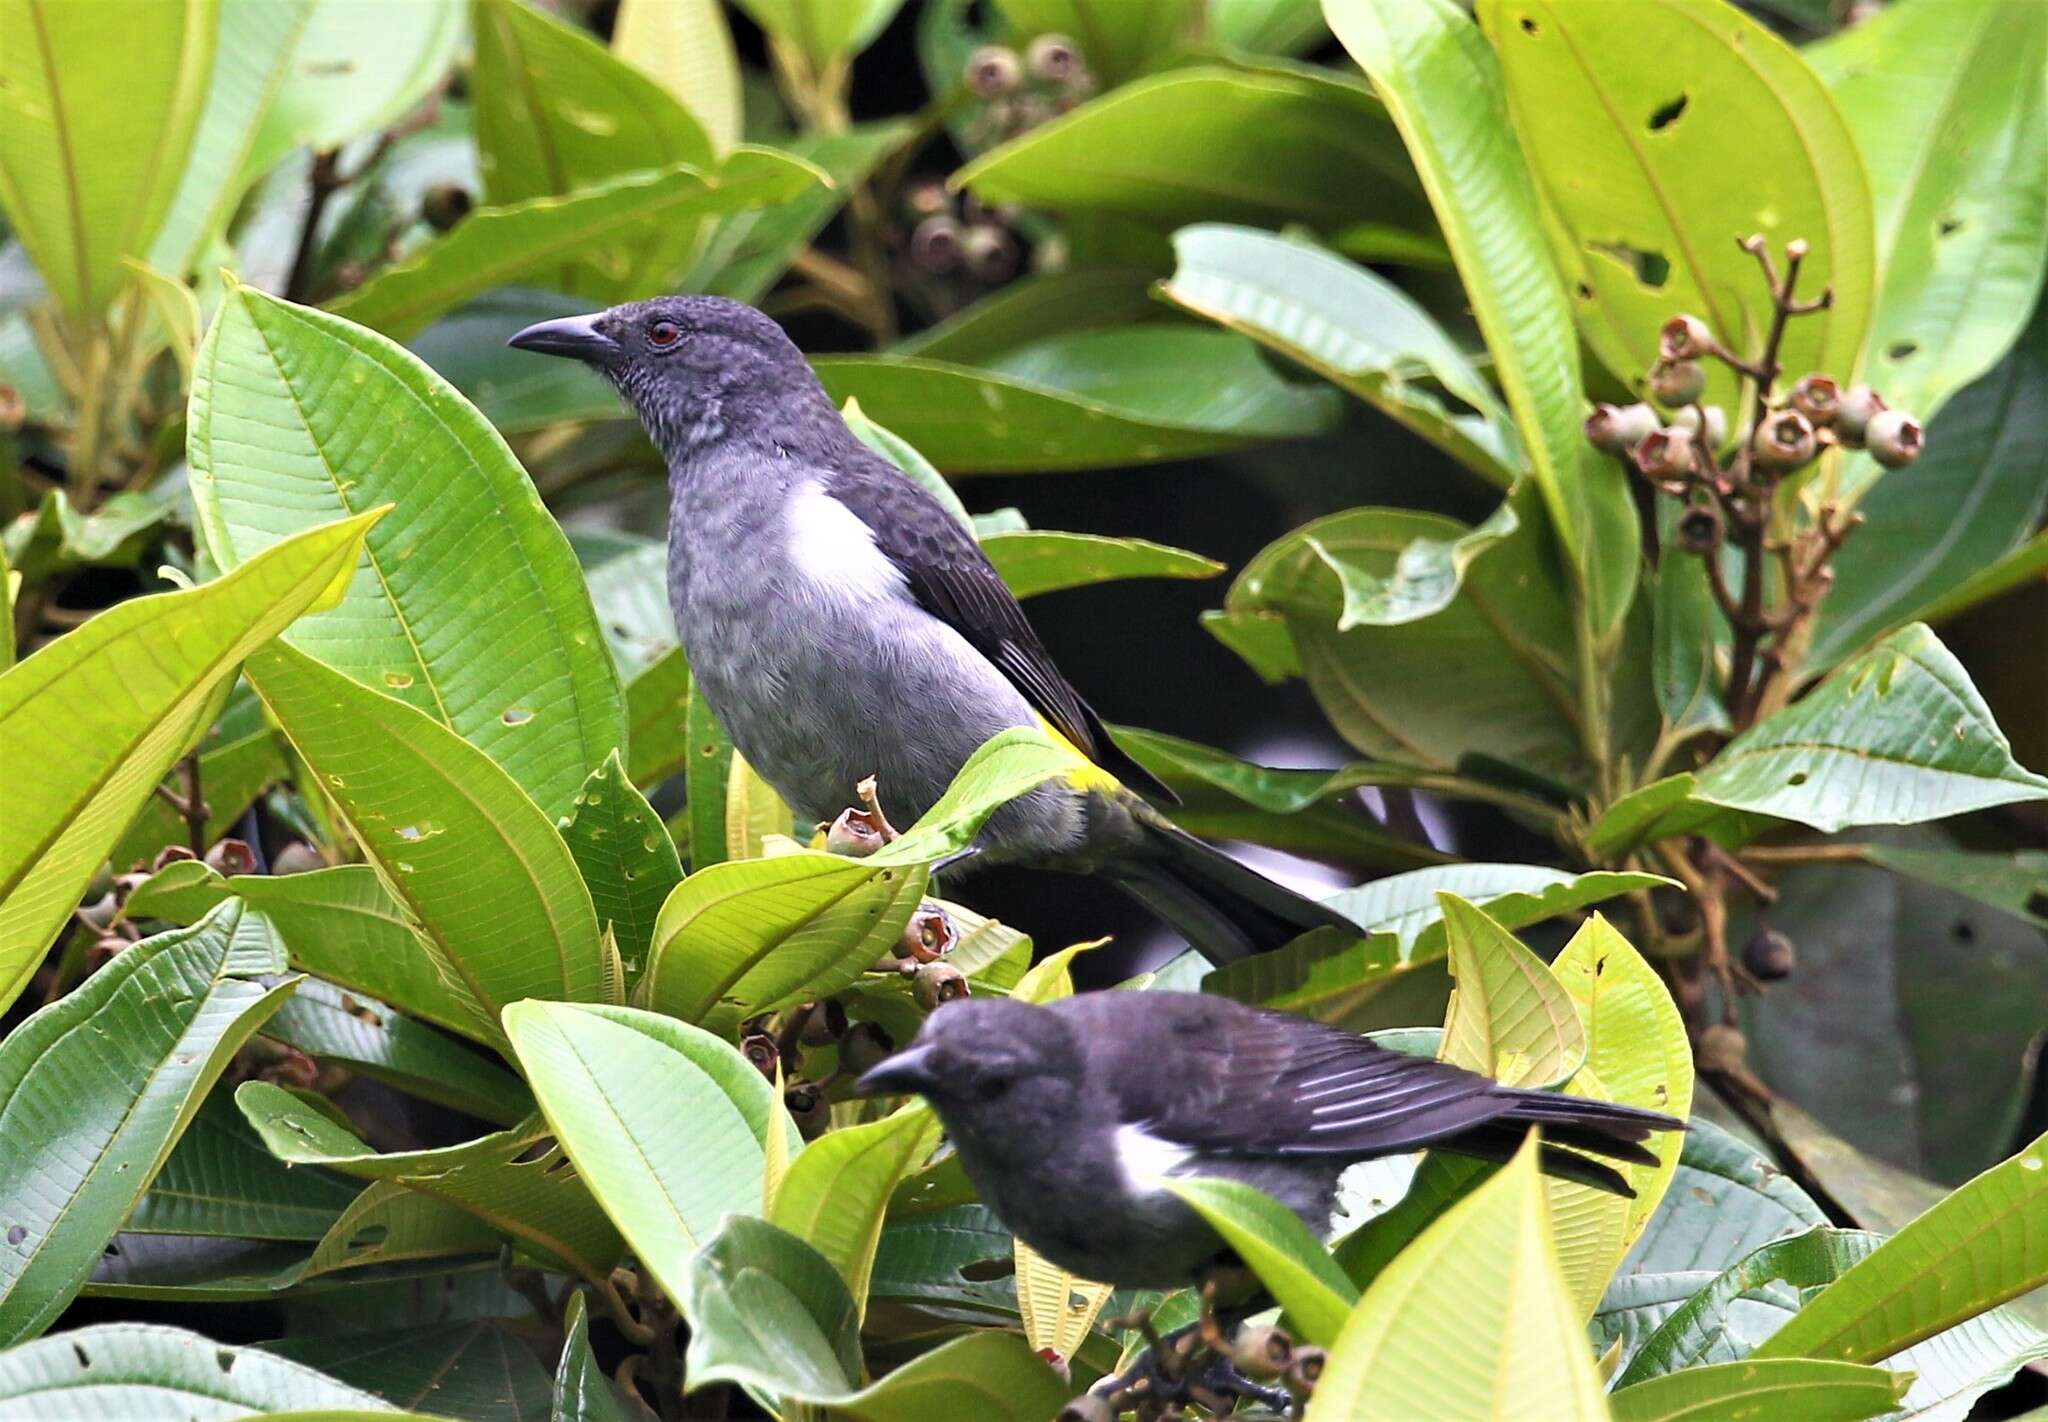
<point>952,579</point>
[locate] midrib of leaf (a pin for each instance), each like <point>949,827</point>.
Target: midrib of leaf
<point>60,121</point>
<point>1935,125</point>
<point>1336,666</point>
<point>754,960</point>
<point>647,1163</point>
<point>341,497</point>
<point>1651,178</point>
<point>515,55</point>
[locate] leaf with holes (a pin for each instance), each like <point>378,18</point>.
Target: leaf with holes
<point>140,1369</point>
<point>499,1178</point>
<point>87,1127</point>
<point>625,855</point>
<point>469,606</point>
<point>1645,178</point>
<point>220,1182</point>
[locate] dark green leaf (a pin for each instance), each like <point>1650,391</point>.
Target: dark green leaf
<point>1034,561</point>
<point>116,1370</point>
<point>475,1370</point>
<point>625,855</point>
<point>582,1391</point>
<point>221,1182</point>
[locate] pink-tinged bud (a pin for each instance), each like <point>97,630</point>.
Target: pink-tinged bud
<point>989,253</point>
<point>808,1108</point>
<point>1262,1352</point>
<point>1678,382</point>
<point>1698,529</point>
<point>1620,428</point>
<point>759,1048</point>
<point>1894,438</point>
<point>1053,58</point>
<point>1818,398</point>
<point>993,70</point>
<point>231,857</point>
<point>854,834</point>
<point>1665,454</point>
<point>1785,441</point>
<point>1684,338</point>
<point>936,984</point>
<point>1688,420</point>
<point>1853,418</point>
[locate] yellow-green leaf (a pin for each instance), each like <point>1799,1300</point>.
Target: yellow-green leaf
<point>1509,1018</point>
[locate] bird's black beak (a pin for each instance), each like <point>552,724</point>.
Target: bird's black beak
<point>907,1073</point>
<point>576,337</point>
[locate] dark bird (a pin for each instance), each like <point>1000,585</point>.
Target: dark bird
<point>1067,1116</point>
<point>842,624</point>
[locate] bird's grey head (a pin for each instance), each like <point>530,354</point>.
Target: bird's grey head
<point>992,1067</point>
<point>694,368</point>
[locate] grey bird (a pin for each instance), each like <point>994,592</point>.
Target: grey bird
<point>1067,1116</point>
<point>841,623</point>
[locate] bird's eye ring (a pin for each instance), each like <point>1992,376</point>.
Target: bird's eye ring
<point>664,334</point>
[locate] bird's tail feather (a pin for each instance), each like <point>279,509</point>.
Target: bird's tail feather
<point>1227,910</point>
<point>1599,1127</point>
<point>1497,1140</point>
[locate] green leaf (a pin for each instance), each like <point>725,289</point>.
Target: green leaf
<point>140,1369</point>
<point>1086,400</point>
<point>1687,631</point>
<point>476,1369</point>
<point>706,773</point>
<point>823,30</point>
<point>510,1179</point>
<point>1033,561</point>
<point>1973,1251</point>
<point>833,1196</point>
<point>1968,501</point>
<point>749,936</point>
<point>1897,736</point>
<point>1290,1261</point>
<point>1371,983</point>
<point>1666,808</point>
<point>609,224</point>
<point>1267,26</point>
<point>554,112</point>
<point>1444,89</point>
<point>96,134</point>
<point>87,1128</point>
<point>1471,1321</point>
<point>489,880</point>
<point>1509,1019</point>
<point>241,756</point>
<point>57,538</point>
<point>1638,1054</point>
<point>2016,883</point>
<point>686,47</point>
<point>332,1024</point>
<point>1489,671</point>
<point>1724,1201</point>
<point>297,416</point>
<point>100,714</point>
<point>1265,146</point>
<point>769,1313</point>
<point>1034,307</point>
<point>1783,1387</point>
<point>1943,103</point>
<point>220,1181</point>
<point>1351,326</point>
<point>511,389</point>
<point>625,855</point>
<point>663,1121</point>
<point>1644,176</point>
<point>658,719</point>
<point>583,1393</point>
<point>748,252</point>
<point>288,73</point>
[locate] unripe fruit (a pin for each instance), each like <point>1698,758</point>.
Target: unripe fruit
<point>1785,440</point>
<point>445,204</point>
<point>1818,398</point>
<point>298,857</point>
<point>170,854</point>
<point>1684,338</point>
<point>1858,407</point>
<point>1893,438</point>
<point>927,197</point>
<point>930,935</point>
<point>936,984</point>
<point>989,252</point>
<point>1688,420</point>
<point>1052,58</point>
<point>1722,1048</point>
<point>1699,529</point>
<point>1262,1352</point>
<point>1769,955</point>
<point>1305,1370</point>
<point>993,70</point>
<point>865,1045</point>
<point>854,834</point>
<point>1620,428</point>
<point>231,857</point>
<point>824,1024</point>
<point>935,245</point>
<point>1678,382</point>
<point>1665,453</point>
<point>808,1108</point>
<point>759,1048</point>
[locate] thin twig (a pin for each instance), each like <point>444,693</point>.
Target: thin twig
<point>1807,853</point>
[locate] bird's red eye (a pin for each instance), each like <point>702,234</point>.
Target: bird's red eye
<point>664,333</point>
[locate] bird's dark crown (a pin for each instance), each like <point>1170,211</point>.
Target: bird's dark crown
<point>976,1049</point>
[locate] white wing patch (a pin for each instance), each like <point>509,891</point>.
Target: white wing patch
<point>835,553</point>
<point>1147,1158</point>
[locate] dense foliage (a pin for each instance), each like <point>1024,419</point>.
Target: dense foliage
<point>408,993</point>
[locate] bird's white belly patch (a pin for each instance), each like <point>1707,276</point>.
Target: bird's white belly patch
<point>1146,1158</point>
<point>835,553</point>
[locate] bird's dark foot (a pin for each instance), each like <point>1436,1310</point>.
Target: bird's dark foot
<point>1199,1365</point>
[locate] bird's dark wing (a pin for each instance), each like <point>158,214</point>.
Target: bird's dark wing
<point>1214,1075</point>
<point>953,580</point>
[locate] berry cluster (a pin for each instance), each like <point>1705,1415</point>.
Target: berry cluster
<point>1729,487</point>
<point>960,239</point>
<point>1018,93</point>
